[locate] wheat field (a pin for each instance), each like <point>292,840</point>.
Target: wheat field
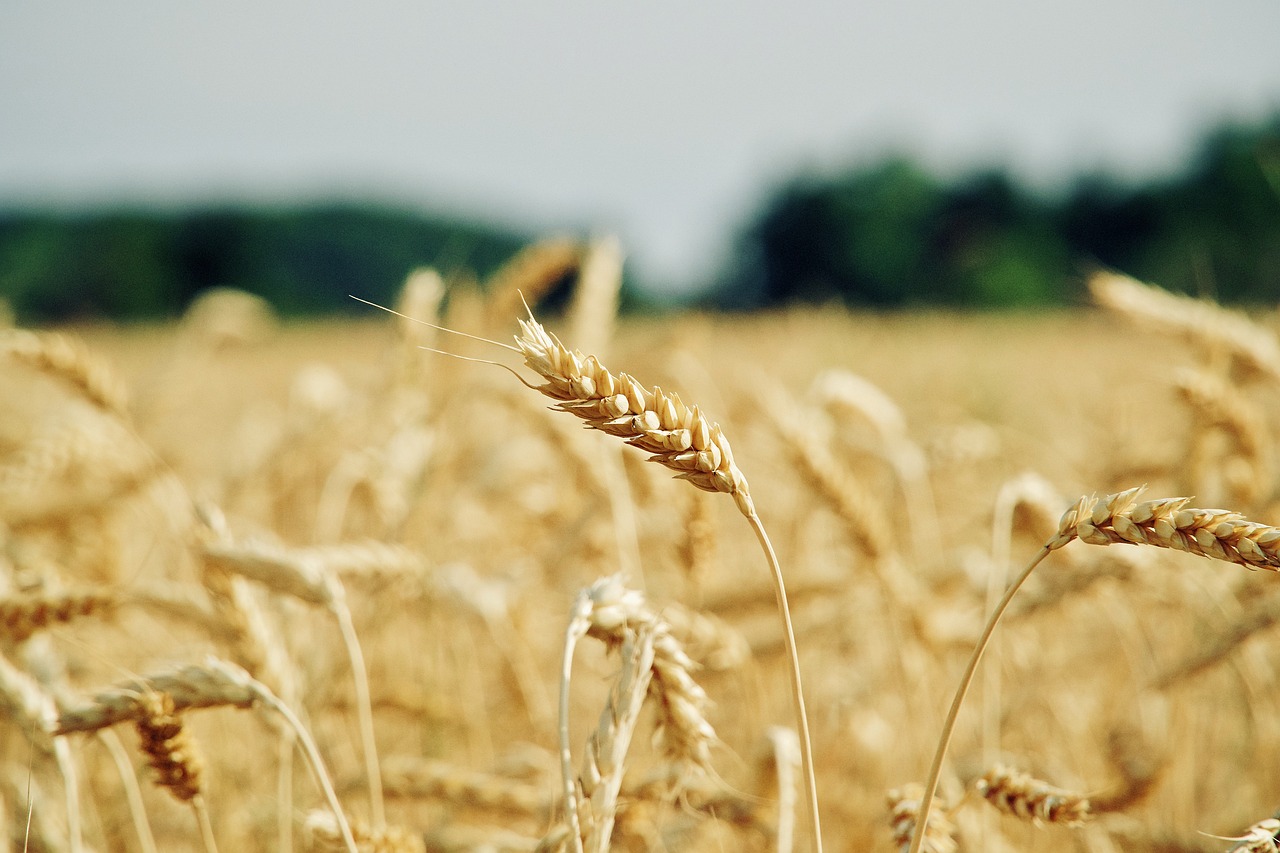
<point>316,586</point>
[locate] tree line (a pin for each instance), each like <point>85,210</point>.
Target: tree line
<point>885,235</point>
<point>891,234</point>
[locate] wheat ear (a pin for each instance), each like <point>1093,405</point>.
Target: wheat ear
<point>1217,404</point>
<point>1210,326</point>
<point>610,612</point>
<point>1257,617</point>
<point>68,360</point>
<point>215,683</point>
<point>1218,534</point>
<point>1022,795</point>
<point>23,615</point>
<point>680,438</point>
<point>602,766</point>
<point>305,576</point>
<point>1262,837</point>
<point>676,436</point>
<point>904,811</point>
<point>530,273</point>
<point>173,755</point>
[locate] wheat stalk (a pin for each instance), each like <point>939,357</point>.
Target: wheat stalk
<point>305,575</point>
<point>784,754</point>
<point>1121,518</point>
<point>678,437</point>
<point>904,812</point>
<point>606,752</point>
<point>215,683</point>
<point>132,792</point>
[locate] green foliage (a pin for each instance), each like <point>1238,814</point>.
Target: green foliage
<point>130,264</point>
<point>883,236</point>
<point>891,235</point>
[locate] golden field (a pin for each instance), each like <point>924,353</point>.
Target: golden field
<point>296,499</point>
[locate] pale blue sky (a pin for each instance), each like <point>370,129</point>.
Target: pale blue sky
<point>663,121</point>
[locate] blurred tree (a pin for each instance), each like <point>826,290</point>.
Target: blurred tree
<point>130,264</point>
<point>890,234</point>
<point>862,237</point>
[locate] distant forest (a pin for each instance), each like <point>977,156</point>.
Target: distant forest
<point>885,235</point>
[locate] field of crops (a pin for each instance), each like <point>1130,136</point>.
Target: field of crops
<point>332,585</point>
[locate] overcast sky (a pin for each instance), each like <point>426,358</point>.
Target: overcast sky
<point>663,121</point>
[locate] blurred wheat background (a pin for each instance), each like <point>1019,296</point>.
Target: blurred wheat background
<point>232,511</point>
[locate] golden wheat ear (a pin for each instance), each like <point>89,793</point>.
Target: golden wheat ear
<point>675,435</point>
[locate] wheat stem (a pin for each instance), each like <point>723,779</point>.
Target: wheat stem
<point>797,692</point>
<point>132,791</point>
<point>364,705</point>
<point>935,770</point>
<point>284,788</point>
<point>579,622</point>
<point>206,828</point>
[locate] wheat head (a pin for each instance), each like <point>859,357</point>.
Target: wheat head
<point>676,436</point>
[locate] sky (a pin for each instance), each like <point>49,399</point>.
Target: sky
<point>666,123</point>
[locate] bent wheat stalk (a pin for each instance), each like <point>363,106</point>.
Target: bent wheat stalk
<point>676,436</point>
<point>215,683</point>
<point>1218,534</point>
